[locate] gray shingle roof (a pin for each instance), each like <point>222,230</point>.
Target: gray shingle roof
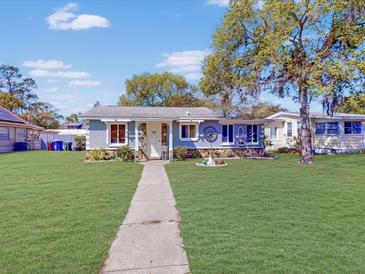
<point>7,116</point>
<point>336,115</point>
<point>122,112</point>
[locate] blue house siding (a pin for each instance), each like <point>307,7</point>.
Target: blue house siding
<point>98,135</point>
<point>202,143</point>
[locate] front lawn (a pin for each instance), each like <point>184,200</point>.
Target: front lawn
<point>59,214</point>
<point>273,216</point>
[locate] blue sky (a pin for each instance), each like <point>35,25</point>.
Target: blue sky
<point>82,52</point>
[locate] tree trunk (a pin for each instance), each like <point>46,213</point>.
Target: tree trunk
<point>306,134</point>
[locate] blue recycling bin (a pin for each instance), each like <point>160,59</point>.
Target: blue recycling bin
<point>58,145</point>
<point>20,146</point>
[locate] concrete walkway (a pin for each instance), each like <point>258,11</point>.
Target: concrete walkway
<point>149,240</point>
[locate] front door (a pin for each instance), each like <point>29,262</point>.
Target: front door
<point>154,140</point>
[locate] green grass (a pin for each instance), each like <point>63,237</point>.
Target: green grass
<point>273,216</point>
<point>59,214</point>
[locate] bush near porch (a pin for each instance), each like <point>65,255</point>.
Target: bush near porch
<point>273,216</point>
<point>59,214</point>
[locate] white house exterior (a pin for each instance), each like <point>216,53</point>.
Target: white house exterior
<point>341,132</point>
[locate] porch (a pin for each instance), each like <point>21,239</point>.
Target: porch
<point>153,140</point>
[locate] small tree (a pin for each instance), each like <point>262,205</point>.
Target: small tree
<point>80,141</point>
<point>302,49</point>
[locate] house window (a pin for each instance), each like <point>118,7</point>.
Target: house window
<point>227,134</point>
<point>4,133</point>
<point>21,133</point>
<point>320,128</point>
<point>289,130</point>
<point>299,128</point>
<point>117,134</point>
<point>329,128</point>
<point>353,127</point>
<point>332,128</point>
<point>188,131</point>
<point>252,133</point>
<point>273,133</point>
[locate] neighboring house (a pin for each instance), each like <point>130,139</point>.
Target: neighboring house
<point>154,132</point>
<point>341,132</point>
<point>63,134</point>
<point>14,129</point>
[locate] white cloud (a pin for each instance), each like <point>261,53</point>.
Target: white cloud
<point>58,74</point>
<point>220,3</point>
<point>84,83</point>
<point>51,90</point>
<point>187,63</point>
<point>65,19</point>
<point>46,64</point>
<point>52,81</point>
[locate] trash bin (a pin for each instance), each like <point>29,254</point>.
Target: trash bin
<point>58,145</point>
<point>50,146</point>
<point>67,146</point>
<point>20,146</point>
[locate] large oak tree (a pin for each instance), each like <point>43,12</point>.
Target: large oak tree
<point>297,48</point>
<point>160,89</point>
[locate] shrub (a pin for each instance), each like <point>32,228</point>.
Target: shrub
<point>98,154</point>
<point>265,141</point>
<point>284,150</point>
<point>80,142</point>
<point>217,153</point>
<point>196,154</point>
<point>125,153</point>
<point>228,153</point>
<point>181,152</point>
<point>288,150</point>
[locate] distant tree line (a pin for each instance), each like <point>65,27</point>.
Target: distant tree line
<point>17,94</point>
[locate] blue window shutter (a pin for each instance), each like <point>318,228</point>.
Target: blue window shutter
<point>184,131</point>
<point>348,127</point>
<point>230,135</point>
<point>224,133</point>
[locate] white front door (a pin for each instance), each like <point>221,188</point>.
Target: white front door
<point>154,140</point>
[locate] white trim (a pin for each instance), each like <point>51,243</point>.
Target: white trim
<point>136,137</point>
<point>108,131</point>
<point>196,138</point>
<point>233,131</point>
<point>115,120</point>
<point>171,138</point>
<point>190,121</point>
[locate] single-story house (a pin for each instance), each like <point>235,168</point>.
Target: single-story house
<point>155,132</point>
<point>341,132</point>
<point>14,129</point>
